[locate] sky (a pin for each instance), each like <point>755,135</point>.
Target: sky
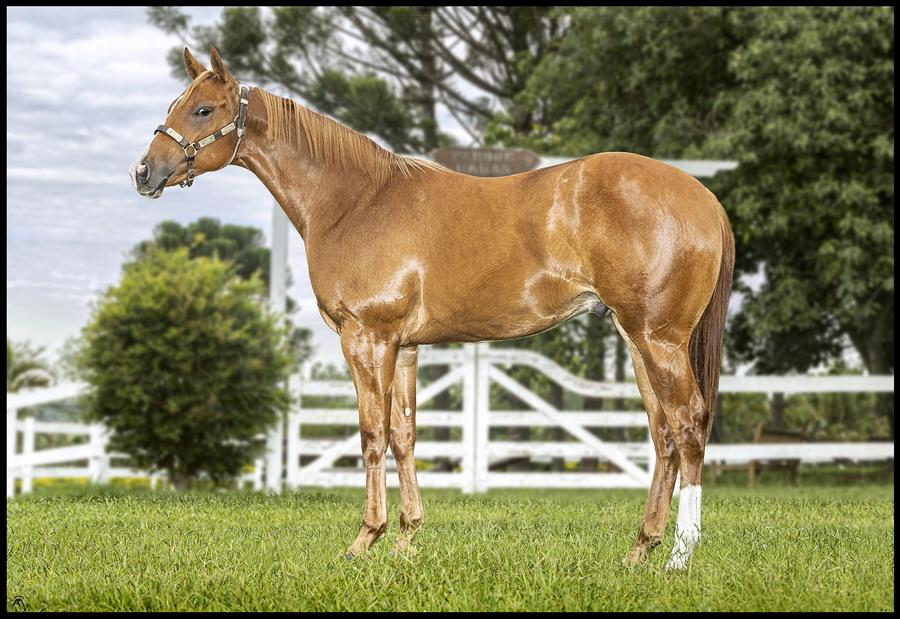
<point>85,89</point>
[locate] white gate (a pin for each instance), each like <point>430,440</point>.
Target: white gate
<point>476,367</point>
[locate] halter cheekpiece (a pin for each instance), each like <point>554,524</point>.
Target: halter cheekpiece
<point>192,148</point>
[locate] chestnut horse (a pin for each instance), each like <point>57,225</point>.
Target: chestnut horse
<point>404,252</point>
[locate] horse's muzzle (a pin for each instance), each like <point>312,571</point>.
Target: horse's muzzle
<point>146,183</point>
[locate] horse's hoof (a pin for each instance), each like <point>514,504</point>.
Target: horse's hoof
<point>350,555</point>
<point>677,563</point>
<point>636,557</point>
<point>403,547</point>
<point>406,552</point>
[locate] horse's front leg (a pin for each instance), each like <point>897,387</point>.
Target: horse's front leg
<point>371,358</point>
<point>403,442</point>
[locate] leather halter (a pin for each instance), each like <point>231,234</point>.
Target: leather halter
<point>192,148</point>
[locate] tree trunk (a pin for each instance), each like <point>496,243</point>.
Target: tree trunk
<point>180,482</point>
<point>777,408</point>
<point>718,429</point>
<point>881,361</point>
<point>428,102</point>
<point>875,346</point>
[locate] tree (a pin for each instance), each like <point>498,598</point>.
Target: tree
<point>430,49</point>
<point>644,80</point>
<point>813,197</point>
<point>186,366</point>
<point>25,369</point>
<point>243,245</point>
<point>384,70</point>
<point>812,202</point>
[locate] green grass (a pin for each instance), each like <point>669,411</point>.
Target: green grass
<point>806,549</point>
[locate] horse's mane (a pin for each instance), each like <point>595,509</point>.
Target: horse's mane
<point>331,143</point>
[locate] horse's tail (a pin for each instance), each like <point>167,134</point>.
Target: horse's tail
<point>706,341</point>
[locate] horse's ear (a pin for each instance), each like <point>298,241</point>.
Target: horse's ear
<point>218,66</point>
<point>193,66</point>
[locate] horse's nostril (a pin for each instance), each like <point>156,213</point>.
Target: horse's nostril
<point>143,172</point>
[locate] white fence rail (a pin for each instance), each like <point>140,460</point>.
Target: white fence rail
<point>297,460</point>
<point>31,463</point>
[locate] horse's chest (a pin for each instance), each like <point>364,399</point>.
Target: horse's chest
<point>387,298</point>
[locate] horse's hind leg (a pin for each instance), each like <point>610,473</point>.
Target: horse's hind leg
<point>403,441</point>
<point>669,371</point>
<point>659,497</point>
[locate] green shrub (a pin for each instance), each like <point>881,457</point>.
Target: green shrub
<point>186,365</point>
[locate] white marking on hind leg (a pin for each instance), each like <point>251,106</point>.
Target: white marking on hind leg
<point>687,528</point>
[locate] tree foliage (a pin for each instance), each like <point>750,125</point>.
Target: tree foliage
<point>383,69</point>
<point>186,366</point>
<point>642,80</point>
<point>242,245</point>
<point>812,202</point>
<point>25,367</point>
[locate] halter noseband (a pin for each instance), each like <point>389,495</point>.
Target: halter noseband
<point>192,148</point>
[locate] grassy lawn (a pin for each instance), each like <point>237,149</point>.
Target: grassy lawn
<point>781,548</point>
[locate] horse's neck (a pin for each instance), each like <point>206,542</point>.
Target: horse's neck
<point>313,196</point>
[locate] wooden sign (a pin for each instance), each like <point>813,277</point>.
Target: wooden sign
<point>486,161</point>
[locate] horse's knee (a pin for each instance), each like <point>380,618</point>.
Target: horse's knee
<point>403,443</point>
<point>373,447</point>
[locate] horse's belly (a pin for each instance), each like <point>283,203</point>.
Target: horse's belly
<point>502,318</point>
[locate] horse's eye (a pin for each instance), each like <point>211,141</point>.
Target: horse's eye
<point>203,111</point>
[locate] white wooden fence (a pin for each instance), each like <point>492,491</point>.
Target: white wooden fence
<point>297,460</point>
<point>45,463</point>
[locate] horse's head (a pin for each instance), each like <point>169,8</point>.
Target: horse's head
<point>201,133</point>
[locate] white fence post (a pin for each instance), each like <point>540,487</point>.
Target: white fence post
<point>278,300</point>
<point>99,461</point>
<point>292,464</point>
<point>11,418</point>
<point>292,461</point>
<point>482,417</point>
<point>470,422</point>
<point>274,456</point>
<point>27,452</point>
<point>258,465</point>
